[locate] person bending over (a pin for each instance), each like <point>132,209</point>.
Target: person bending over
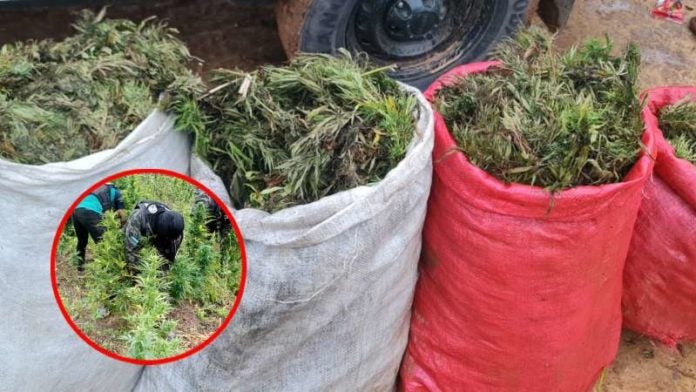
<point>155,223</point>
<point>218,221</point>
<point>89,213</point>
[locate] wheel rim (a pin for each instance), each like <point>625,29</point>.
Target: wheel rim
<point>409,33</point>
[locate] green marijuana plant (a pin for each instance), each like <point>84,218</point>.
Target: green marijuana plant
<point>150,332</point>
<point>130,190</point>
<point>67,247</point>
<point>231,262</point>
<point>213,289</point>
<point>185,278</point>
<point>105,277</point>
<point>678,124</point>
<point>208,268</point>
<point>284,136</point>
<point>684,147</point>
<point>550,120</point>
<point>186,273</point>
<point>174,192</point>
<point>63,100</point>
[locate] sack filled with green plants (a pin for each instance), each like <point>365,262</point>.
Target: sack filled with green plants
<point>71,113</point>
<point>660,275</point>
<point>540,161</point>
<point>328,162</point>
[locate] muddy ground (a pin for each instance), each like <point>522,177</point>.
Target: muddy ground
<point>234,35</point>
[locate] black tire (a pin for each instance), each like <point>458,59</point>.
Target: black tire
<point>332,24</point>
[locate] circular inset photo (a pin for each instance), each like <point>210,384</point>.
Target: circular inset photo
<point>148,266</point>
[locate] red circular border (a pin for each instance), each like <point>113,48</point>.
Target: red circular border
<point>240,291</point>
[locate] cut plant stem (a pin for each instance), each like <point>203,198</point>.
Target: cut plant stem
<point>547,119</point>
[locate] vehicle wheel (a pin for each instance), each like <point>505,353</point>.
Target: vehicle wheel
<point>424,38</point>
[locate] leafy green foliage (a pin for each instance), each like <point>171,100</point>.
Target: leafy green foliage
<point>213,287</point>
<point>283,136</point>
<point>67,246</point>
<point>130,190</point>
<point>63,100</point>
<point>175,193</point>
<point>105,279</point>
<point>185,278</point>
<point>231,270</point>
<point>678,124</point>
<point>550,120</point>
<point>150,334</point>
<point>186,274</point>
<point>208,268</point>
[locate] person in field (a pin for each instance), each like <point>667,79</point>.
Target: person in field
<point>87,216</point>
<point>218,221</point>
<point>154,223</point>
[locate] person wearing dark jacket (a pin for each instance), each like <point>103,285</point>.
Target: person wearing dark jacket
<point>217,219</point>
<point>88,214</point>
<point>157,224</point>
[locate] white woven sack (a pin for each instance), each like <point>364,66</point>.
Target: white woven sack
<point>38,350</point>
<point>329,289</point>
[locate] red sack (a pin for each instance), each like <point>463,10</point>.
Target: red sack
<point>659,297</point>
<point>512,295</point>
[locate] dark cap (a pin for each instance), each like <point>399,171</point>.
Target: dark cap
<point>170,225</point>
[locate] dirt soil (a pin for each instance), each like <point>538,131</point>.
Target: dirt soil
<point>645,366</point>
<point>233,35</point>
<point>668,49</point>
<point>224,33</point>
<point>70,287</point>
<point>191,329</point>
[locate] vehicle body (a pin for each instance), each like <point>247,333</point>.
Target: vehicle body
<point>423,38</point>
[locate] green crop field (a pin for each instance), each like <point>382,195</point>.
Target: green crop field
<point>151,312</point>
